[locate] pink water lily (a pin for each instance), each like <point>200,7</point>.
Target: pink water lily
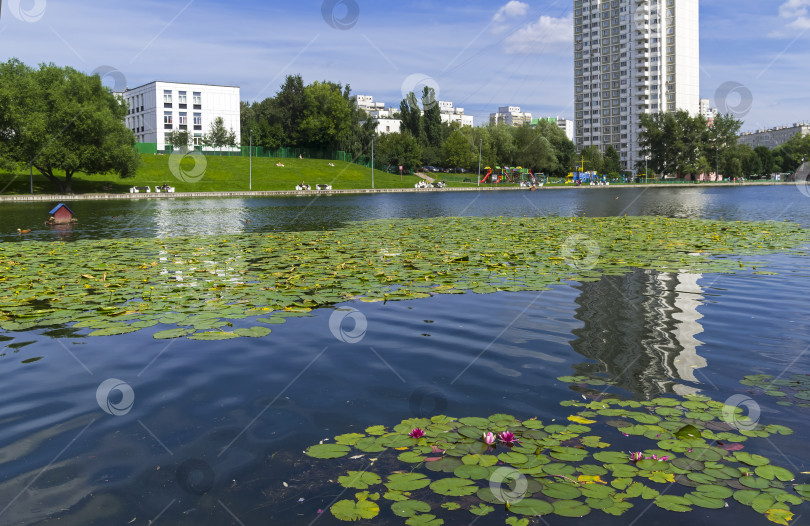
<point>489,438</point>
<point>637,456</point>
<point>507,437</point>
<point>416,433</point>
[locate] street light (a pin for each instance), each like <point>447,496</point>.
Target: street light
<point>250,156</point>
<point>372,162</point>
<point>480,145</point>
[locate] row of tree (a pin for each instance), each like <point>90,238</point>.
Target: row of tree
<point>678,143</point>
<point>217,137</point>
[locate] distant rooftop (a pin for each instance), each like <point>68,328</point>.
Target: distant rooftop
<point>186,83</point>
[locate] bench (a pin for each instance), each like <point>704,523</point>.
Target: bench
<point>140,189</point>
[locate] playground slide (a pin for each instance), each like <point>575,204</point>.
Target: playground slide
<point>484,180</point>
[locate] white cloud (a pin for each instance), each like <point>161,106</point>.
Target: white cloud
<point>798,11</point>
<point>547,35</point>
<point>513,9</point>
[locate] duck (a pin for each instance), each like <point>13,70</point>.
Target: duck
<point>21,231</point>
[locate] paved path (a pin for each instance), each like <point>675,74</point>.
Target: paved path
<point>312,193</point>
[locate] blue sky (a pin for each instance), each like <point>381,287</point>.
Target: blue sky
<point>479,54</point>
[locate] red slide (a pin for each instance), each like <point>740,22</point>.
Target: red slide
<point>484,180</point>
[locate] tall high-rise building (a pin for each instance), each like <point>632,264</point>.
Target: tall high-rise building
<point>632,57</point>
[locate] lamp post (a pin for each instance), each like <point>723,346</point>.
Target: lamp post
<point>372,162</point>
<point>31,168</point>
<point>250,156</point>
<point>646,161</point>
<point>480,145</point>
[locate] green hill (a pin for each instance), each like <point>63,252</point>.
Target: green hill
<point>222,174</point>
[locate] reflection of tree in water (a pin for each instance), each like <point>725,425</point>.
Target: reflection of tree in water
<point>640,330</point>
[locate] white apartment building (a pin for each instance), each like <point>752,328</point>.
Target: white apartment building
<point>774,137</point>
<point>451,114</point>
<point>366,102</point>
<point>510,115</point>
<point>632,57</point>
<point>158,108</point>
<point>707,111</point>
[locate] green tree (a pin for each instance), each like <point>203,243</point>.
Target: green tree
<point>217,136</point>
<point>432,119</point>
<point>289,107</point>
<point>411,116</point>
<point>457,151</point>
<point>399,149</point>
<point>327,119</point>
<point>503,144</point>
<point>612,162</point>
<point>533,151</point>
<point>766,159</point>
<point>178,138</point>
<point>62,121</point>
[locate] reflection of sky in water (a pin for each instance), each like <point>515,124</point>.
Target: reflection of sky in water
<point>200,218</point>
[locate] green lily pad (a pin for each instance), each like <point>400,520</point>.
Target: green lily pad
<point>531,507</point>
<point>407,481</point>
<point>454,487</point>
<point>327,451</point>
<point>571,508</point>
<point>409,508</point>
<point>349,510</point>
<point>359,479</point>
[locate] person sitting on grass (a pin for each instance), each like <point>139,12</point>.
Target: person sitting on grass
<point>279,164</point>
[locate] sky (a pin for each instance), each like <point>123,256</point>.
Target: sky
<point>478,54</point>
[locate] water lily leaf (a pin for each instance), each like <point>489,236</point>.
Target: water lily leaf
<point>171,333</point>
<point>213,336</point>
<point>673,503</point>
<point>746,496</point>
<point>327,451</point>
<point>349,510</point>
<point>514,521</point>
<point>253,332</point>
<point>571,508</point>
<point>771,472</point>
<point>454,487</point>
<point>754,482</point>
<point>751,460</point>
<point>803,490</point>
<point>531,507</point>
<point>424,520</point>
<point>481,509</point>
<point>407,481</point>
<point>359,479</point>
<point>612,457</point>
<point>409,508</point>
<point>513,458</point>
<point>714,491</point>
<point>472,472</point>
<point>452,506</point>
<point>411,457</point>
<point>395,496</point>
<point>705,501</point>
<point>114,331</point>
<point>557,490</point>
<point>779,516</point>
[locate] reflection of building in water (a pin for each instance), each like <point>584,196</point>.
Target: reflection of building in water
<point>641,330</point>
<point>199,217</point>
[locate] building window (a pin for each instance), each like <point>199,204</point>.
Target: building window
<point>198,121</point>
<point>183,120</point>
<point>181,99</point>
<point>167,98</point>
<point>197,101</point>
<point>167,120</point>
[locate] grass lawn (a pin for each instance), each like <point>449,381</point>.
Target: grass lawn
<point>222,174</point>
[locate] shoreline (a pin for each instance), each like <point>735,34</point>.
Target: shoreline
<point>360,191</point>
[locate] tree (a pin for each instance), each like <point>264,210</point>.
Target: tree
<point>432,119</point>
<point>217,136</point>
<point>178,138</point>
<point>60,120</point>
<point>399,149</point>
<point>503,144</point>
<point>327,117</point>
<point>289,107</point>
<point>533,151</point>
<point>457,151</point>
<point>411,115</point>
<point>612,161</point>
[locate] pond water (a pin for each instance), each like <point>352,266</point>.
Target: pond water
<point>216,430</point>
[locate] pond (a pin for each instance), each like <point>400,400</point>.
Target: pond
<point>129,429</point>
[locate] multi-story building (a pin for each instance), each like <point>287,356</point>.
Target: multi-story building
<point>157,108</point>
<point>632,57</point>
<point>451,114</point>
<point>366,102</point>
<point>565,125</point>
<point>510,115</point>
<point>774,137</point>
<point>707,111</point>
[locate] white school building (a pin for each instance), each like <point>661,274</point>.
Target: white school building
<point>157,108</point>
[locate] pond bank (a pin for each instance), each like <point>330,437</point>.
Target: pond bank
<point>288,193</point>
